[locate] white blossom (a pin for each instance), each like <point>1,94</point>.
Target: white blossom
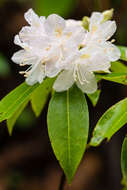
<point>53,46</point>
<point>46,44</point>
<point>96,55</point>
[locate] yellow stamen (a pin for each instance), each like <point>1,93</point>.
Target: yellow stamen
<point>113,40</point>
<point>85,56</point>
<point>69,34</point>
<point>94,28</point>
<point>58,32</point>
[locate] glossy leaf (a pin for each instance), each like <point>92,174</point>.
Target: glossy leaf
<point>11,103</point>
<point>124,162</point>
<point>11,121</point>
<point>94,97</point>
<point>114,77</point>
<point>40,95</point>
<point>118,67</point>
<point>123,51</point>
<point>68,123</point>
<point>110,122</point>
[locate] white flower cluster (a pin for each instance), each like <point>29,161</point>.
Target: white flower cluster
<point>53,46</point>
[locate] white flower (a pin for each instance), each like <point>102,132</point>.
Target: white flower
<point>96,55</point>
<point>80,70</point>
<point>52,46</point>
<point>46,44</point>
<point>99,33</point>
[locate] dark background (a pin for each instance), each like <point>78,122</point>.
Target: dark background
<point>26,158</point>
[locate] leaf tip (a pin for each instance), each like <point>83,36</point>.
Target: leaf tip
<point>95,141</point>
<point>10,128</point>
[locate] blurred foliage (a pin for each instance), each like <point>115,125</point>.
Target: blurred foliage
<point>124,162</point>
<point>46,7</point>
<point>26,119</point>
<point>14,179</point>
<point>4,67</point>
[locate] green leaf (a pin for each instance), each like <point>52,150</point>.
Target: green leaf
<point>40,95</point>
<point>94,97</point>
<point>11,121</point>
<point>11,103</point>
<point>123,51</point>
<point>26,120</point>
<point>68,122</point>
<point>124,161</point>
<point>47,7</point>
<point>110,122</point>
<point>118,67</point>
<point>114,77</point>
<point>125,188</point>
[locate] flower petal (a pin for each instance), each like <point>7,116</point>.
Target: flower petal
<point>35,39</point>
<point>53,24</point>
<point>18,57</point>
<point>86,80</point>
<point>95,19</point>
<point>71,22</point>
<point>107,29</point>
<point>77,34</point>
<point>37,74</point>
<point>51,69</point>
<point>99,62</point>
<point>31,17</point>
<point>64,81</point>
<point>112,51</point>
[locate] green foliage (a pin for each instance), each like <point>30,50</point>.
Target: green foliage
<point>123,51</point>
<point>110,122</point>
<point>26,120</point>
<point>118,67</point>
<point>12,102</point>
<point>94,97</point>
<point>46,7</point>
<point>11,121</point>
<point>4,67</point>
<point>124,162</point>
<point>68,122</point>
<point>40,95</point>
<point>114,77</point>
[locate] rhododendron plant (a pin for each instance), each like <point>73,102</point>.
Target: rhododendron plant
<point>65,59</point>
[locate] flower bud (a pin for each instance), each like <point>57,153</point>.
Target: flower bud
<point>108,14</point>
<point>85,22</point>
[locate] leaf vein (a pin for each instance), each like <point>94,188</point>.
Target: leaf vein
<point>68,124</point>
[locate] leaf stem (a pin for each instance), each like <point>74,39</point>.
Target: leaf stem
<point>62,182</point>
